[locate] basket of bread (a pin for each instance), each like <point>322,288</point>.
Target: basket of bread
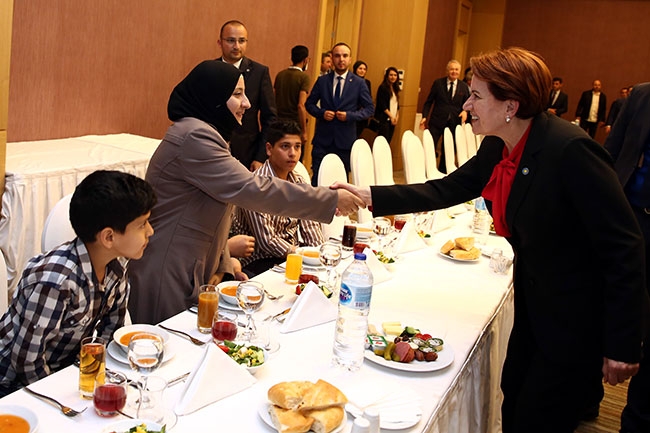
<point>302,406</point>
<point>461,249</point>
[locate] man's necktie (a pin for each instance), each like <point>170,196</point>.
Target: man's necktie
<point>337,91</point>
<point>451,90</point>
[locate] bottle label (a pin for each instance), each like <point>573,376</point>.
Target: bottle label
<point>356,297</point>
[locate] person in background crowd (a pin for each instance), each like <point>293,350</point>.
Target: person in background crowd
<point>198,182</point>
<point>387,108</point>
<point>247,142</point>
<point>81,287</point>
<point>558,101</point>
<point>578,314</point>
<point>277,236</point>
<point>337,101</point>
<point>615,109</point>
<point>326,63</point>
<point>291,89</point>
<point>629,145</point>
<point>468,77</point>
<point>591,109</point>
<point>360,69</point>
<point>447,96</point>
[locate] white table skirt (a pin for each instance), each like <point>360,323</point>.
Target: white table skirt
<point>40,173</point>
<point>466,304</point>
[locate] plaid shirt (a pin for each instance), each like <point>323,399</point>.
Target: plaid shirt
<point>56,304</point>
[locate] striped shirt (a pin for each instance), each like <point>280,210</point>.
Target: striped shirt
<point>56,304</point>
<point>274,235</point>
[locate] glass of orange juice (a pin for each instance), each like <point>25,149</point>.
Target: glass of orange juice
<point>208,305</point>
<point>294,268</point>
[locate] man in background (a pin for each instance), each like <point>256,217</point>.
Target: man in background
<point>337,101</point>
<point>325,63</point>
<point>558,101</point>
<point>591,109</point>
<point>247,142</point>
<point>615,109</point>
<point>291,89</point>
<point>447,96</point>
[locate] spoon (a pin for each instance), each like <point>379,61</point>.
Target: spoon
<point>272,297</point>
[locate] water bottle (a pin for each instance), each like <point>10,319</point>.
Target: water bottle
<point>481,221</point>
<point>352,321</point>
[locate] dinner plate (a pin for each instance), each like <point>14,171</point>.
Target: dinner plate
<point>445,358</point>
<point>459,260</point>
<point>387,424</point>
<point>22,412</point>
<point>227,306</point>
<point>263,412</point>
<point>126,424</point>
<point>118,354</point>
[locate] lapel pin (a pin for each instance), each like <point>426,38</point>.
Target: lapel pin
<point>525,171</point>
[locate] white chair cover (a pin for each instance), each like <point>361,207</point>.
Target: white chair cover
<point>332,170</point>
<point>4,290</point>
<point>302,171</point>
<point>479,138</point>
<point>461,145</point>
<point>450,154</point>
<point>430,162</point>
<point>383,158</point>
<point>57,228</point>
<point>471,140</point>
<point>413,156</point>
<point>362,168</point>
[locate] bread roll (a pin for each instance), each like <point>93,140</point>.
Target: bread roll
<point>473,254</point>
<point>448,246</point>
<point>289,421</point>
<point>326,420</point>
<point>321,395</point>
<point>465,243</point>
<point>288,395</point>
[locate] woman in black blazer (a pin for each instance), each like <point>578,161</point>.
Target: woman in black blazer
<point>579,259</point>
<point>387,106</point>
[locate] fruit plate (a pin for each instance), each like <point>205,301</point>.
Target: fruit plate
<point>263,412</point>
<point>445,358</point>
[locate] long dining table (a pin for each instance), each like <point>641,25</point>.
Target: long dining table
<point>466,304</point>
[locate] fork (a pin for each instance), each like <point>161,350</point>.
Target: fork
<point>272,297</point>
<point>67,411</point>
<point>192,339</point>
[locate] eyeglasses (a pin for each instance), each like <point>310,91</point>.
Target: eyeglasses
<point>232,41</point>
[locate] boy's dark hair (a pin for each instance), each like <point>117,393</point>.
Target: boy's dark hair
<point>557,79</point>
<point>279,128</point>
<point>299,53</point>
<point>108,199</point>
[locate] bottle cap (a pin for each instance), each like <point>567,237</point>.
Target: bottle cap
<point>359,256</point>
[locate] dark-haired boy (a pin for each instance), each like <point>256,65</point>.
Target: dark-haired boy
<point>80,287</point>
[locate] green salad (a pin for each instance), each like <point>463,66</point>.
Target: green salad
<point>250,356</point>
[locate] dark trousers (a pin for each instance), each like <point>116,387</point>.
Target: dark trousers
<point>262,265</point>
<point>318,153</point>
<point>590,127</point>
<point>436,133</point>
<point>386,130</point>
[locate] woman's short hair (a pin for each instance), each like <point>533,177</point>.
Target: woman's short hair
<point>517,74</point>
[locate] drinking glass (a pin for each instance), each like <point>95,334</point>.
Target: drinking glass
<point>330,257</point>
<point>349,237</point>
<point>250,295</point>
<point>224,327</point>
<point>400,221</point>
<point>110,393</point>
<point>92,361</point>
<point>208,305</point>
<point>145,355</point>
<point>293,268</point>
<point>381,226</point>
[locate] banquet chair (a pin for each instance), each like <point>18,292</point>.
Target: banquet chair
<point>332,170</point>
<point>471,140</point>
<point>57,228</point>
<point>479,138</point>
<point>4,289</point>
<point>450,154</point>
<point>383,160</point>
<point>302,171</point>
<point>413,157</point>
<point>362,168</point>
<point>461,145</point>
<point>430,163</point>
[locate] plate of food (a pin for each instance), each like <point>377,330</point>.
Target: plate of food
<point>136,426</point>
<point>123,335</point>
<point>305,406</point>
<point>364,233</point>
<point>310,255</point>
<point>20,418</point>
<point>461,249</point>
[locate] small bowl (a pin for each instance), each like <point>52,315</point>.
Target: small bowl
<point>127,424</point>
<point>123,335</point>
<point>228,295</point>
<point>364,233</point>
<point>310,255</point>
<point>26,414</point>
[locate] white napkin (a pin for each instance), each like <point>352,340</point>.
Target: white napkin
<point>378,269</point>
<point>310,309</point>
<point>409,239</point>
<point>215,376</point>
<point>441,221</point>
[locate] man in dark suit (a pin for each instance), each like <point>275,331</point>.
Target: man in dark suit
<point>629,145</point>
<point>591,109</point>
<point>447,96</point>
<point>337,107</point>
<point>558,101</point>
<point>247,143</point>
<point>615,109</point>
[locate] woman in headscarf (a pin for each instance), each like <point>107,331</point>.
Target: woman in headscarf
<point>197,182</point>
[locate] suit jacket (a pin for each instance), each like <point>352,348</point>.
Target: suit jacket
<point>561,105</point>
<point>585,104</point>
<point>383,103</point>
<point>579,255</point>
<point>614,110</point>
<point>444,109</point>
<point>247,143</point>
<point>355,100</point>
<point>197,182</point>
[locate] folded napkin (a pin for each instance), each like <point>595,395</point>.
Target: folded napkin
<point>310,309</point>
<point>409,239</point>
<point>378,269</point>
<point>441,221</point>
<point>215,376</point>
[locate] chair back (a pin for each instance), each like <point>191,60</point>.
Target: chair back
<point>302,171</point>
<point>413,156</point>
<point>57,228</point>
<point>4,289</point>
<point>332,170</point>
<point>430,163</point>
<point>362,168</point>
<point>450,154</point>
<point>461,145</point>
<point>471,140</point>
<point>383,158</point>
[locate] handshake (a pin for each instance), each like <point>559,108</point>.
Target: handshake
<point>351,198</point>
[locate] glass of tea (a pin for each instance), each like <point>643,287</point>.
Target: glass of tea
<point>92,361</point>
<point>224,327</point>
<point>109,397</point>
<point>208,305</point>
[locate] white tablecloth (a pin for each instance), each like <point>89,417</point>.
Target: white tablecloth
<point>466,304</point>
<point>40,173</point>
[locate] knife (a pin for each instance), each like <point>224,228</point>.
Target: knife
<point>281,313</point>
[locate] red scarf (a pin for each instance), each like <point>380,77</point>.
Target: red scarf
<point>498,187</point>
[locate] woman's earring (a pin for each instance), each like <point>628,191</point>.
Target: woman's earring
<point>507,118</point>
